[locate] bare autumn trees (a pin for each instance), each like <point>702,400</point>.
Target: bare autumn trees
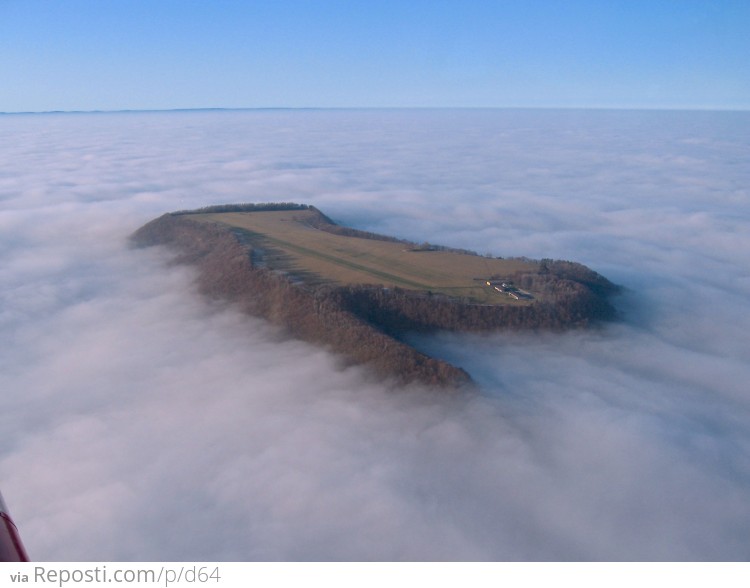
<point>364,323</point>
<point>396,310</point>
<point>311,314</point>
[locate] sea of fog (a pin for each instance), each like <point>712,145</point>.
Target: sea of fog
<point>141,422</point>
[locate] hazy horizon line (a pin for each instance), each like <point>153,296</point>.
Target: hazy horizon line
<point>267,108</point>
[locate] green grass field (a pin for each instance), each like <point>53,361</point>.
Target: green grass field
<point>290,243</point>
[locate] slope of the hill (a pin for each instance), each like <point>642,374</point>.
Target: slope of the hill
<point>357,292</point>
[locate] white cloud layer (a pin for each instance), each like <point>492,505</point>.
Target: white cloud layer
<point>140,422</point>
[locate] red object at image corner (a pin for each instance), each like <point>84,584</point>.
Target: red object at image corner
<point>11,546</point>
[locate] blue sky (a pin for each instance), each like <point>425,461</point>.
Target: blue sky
<point>162,54</point>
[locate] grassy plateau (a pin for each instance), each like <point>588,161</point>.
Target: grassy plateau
<point>289,241</point>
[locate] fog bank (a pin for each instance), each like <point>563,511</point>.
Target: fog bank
<point>141,422</point>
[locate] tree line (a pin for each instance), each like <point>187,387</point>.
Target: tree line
<point>363,323</point>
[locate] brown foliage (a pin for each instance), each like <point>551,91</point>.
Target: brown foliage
<point>312,314</point>
<point>363,323</point>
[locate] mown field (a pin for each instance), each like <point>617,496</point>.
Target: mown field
<point>287,241</point>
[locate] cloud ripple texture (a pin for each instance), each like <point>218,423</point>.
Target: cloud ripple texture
<point>142,422</point>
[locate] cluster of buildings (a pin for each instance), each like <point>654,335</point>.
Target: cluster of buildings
<point>509,289</point>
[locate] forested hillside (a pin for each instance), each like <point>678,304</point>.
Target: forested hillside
<point>363,322</point>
